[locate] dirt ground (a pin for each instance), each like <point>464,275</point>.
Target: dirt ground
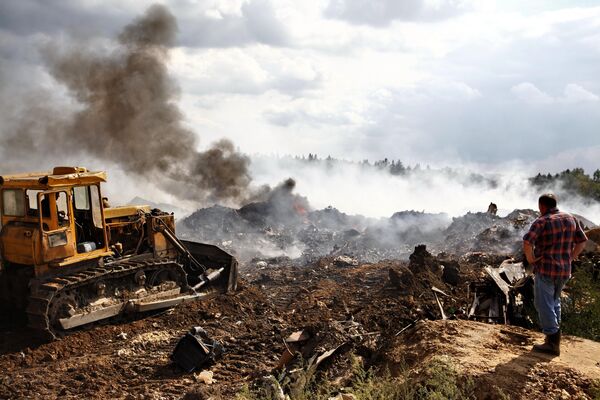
<point>340,305</point>
<point>501,356</point>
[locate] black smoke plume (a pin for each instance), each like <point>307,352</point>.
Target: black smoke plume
<point>128,115</point>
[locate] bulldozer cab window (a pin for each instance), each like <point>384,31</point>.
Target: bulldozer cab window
<point>13,202</point>
<point>81,198</point>
<point>88,218</point>
<point>32,205</point>
<point>96,207</point>
<point>55,210</point>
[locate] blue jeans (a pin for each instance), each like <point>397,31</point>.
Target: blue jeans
<point>547,302</point>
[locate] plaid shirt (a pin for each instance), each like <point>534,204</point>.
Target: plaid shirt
<point>553,236</point>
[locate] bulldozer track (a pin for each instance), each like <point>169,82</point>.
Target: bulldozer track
<point>47,291</point>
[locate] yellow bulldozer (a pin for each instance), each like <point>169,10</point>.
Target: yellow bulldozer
<point>68,259</point>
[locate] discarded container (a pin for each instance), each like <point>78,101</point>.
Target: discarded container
<point>195,350</point>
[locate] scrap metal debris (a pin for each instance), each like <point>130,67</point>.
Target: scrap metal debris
<point>504,295</point>
<point>437,300</point>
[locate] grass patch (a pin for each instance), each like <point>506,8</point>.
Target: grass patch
<point>436,381</point>
<point>595,390</point>
<point>443,382</point>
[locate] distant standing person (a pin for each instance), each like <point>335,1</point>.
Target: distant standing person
<point>553,241</point>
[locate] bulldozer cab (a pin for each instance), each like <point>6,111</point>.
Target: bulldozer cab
<point>52,220</point>
<point>70,221</point>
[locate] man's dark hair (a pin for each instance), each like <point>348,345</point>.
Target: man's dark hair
<point>548,200</point>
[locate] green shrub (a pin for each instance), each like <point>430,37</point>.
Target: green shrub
<point>368,385</point>
<point>581,311</point>
<point>443,382</point>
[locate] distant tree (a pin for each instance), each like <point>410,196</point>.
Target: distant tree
<point>382,164</point>
<point>574,181</point>
<point>329,161</point>
<point>397,168</point>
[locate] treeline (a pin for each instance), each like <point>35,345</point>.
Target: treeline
<point>397,167</point>
<point>571,181</point>
<point>394,167</point>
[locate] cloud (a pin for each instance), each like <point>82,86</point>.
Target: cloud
<point>578,157</point>
<point>201,24</point>
<point>529,93</point>
<point>491,129</point>
<point>576,94</point>
<point>249,71</point>
<point>382,13</point>
<point>27,17</point>
<point>311,117</point>
<point>489,84</point>
<point>573,93</point>
<point>254,22</point>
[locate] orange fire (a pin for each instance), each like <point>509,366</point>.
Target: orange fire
<point>299,209</point>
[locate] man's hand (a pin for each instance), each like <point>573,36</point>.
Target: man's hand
<point>528,250</point>
<point>578,249</point>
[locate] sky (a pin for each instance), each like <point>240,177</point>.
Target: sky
<point>436,82</point>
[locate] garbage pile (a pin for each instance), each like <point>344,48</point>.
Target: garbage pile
<point>487,232</point>
<point>262,230</point>
<point>284,225</point>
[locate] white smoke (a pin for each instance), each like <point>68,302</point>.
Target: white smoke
<point>368,191</point>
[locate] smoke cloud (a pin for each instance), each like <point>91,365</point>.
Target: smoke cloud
<point>373,192</point>
<point>127,115</point>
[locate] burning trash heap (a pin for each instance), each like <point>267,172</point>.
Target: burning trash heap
<point>283,224</point>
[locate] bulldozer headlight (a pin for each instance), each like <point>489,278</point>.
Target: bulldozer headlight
<point>57,239</point>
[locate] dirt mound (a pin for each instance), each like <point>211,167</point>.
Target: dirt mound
<point>500,356</point>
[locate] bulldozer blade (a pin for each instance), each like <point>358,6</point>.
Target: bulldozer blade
<point>150,303</point>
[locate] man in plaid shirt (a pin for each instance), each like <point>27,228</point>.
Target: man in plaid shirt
<point>553,241</point>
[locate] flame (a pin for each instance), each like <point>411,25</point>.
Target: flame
<point>300,210</point>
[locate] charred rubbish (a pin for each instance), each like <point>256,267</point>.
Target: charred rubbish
<point>504,296</point>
